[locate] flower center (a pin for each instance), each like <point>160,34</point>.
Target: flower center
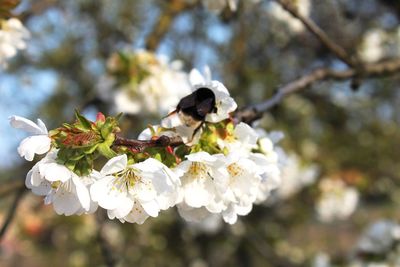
<point>199,170</point>
<point>66,186</point>
<point>234,170</point>
<point>127,178</point>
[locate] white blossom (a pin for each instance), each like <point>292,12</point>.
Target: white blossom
<point>242,187</point>
<point>68,192</point>
<point>243,141</point>
<point>12,38</point>
<point>337,200</point>
<point>295,175</point>
<point>279,13</point>
<point>156,93</point>
<point>39,143</point>
<point>203,177</point>
<point>379,237</point>
<point>372,47</point>
<point>133,192</point>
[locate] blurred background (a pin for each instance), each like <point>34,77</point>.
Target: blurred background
<point>342,146</point>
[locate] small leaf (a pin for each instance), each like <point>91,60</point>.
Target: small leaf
<point>84,123</point>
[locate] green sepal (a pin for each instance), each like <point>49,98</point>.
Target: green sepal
<point>105,150</point>
<point>84,124</point>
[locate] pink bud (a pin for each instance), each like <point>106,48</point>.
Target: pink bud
<point>100,117</point>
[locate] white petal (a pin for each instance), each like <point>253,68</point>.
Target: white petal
<point>37,144</point>
<point>43,189</point>
<point>27,125</point>
<point>201,157</point>
<point>196,78</point>
<point>196,195</point>
<point>55,172</point>
<point>136,215</point>
<point>125,207</point>
<point>246,134</point>
<point>151,208</point>
<point>82,193</point>
<point>65,203</point>
<point>114,165</point>
<point>107,196</point>
<point>149,165</point>
<point>229,216</point>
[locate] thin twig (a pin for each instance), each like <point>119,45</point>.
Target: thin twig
<point>164,22</point>
<point>11,212</point>
<point>140,145</point>
<point>254,112</point>
<point>339,51</point>
<point>251,113</point>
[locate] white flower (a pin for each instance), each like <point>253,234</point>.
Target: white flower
<point>242,142</point>
<point>242,187</point>
<point>157,93</point>
<point>373,45</point>
<point>295,25</point>
<point>295,175</point>
<point>223,102</point>
<point>61,187</point>
<point>379,237</point>
<point>39,143</point>
<point>203,177</point>
<point>244,139</point>
<point>337,201</point>
<point>12,38</point>
<point>134,192</point>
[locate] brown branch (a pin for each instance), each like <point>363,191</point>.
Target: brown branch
<point>11,212</point>
<point>164,22</point>
<point>336,49</point>
<point>141,145</point>
<point>251,113</point>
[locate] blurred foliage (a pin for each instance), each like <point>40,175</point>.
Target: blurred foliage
<point>351,134</point>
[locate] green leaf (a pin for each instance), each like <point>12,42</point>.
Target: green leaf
<point>84,124</point>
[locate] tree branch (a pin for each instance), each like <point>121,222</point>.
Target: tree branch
<point>164,22</point>
<point>251,113</point>
<point>11,212</point>
<point>141,145</point>
<point>319,33</point>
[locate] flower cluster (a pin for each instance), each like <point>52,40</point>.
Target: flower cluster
<point>141,82</point>
<point>219,168</point>
<point>337,200</point>
<point>12,38</point>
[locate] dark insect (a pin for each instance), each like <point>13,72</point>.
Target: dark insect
<point>198,104</point>
<point>193,108</point>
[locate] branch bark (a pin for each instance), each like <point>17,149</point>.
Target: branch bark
<point>336,49</point>
<point>141,145</point>
<point>253,112</point>
<point>11,212</point>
